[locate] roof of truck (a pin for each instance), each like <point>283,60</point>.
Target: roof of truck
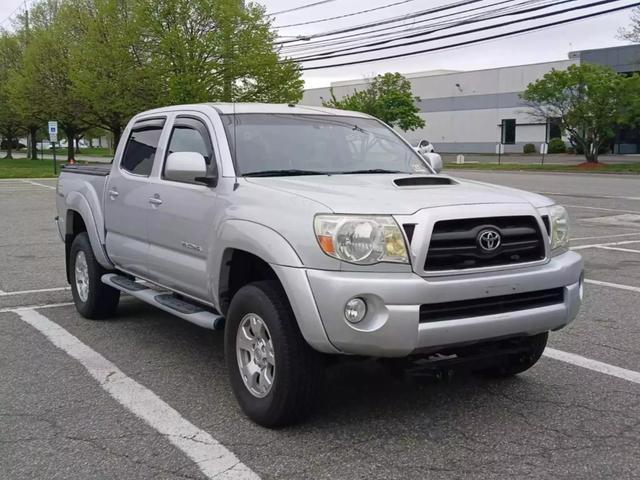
<point>230,108</point>
<point>280,108</point>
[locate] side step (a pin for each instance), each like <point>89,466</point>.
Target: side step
<point>166,301</point>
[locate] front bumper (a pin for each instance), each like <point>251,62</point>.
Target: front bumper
<point>392,326</point>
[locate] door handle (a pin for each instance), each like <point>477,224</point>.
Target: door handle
<point>155,201</point>
<point>113,194</point>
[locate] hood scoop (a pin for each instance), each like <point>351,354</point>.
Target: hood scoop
<point>423,181</point>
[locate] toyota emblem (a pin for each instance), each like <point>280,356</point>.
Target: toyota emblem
<point>488,240</point>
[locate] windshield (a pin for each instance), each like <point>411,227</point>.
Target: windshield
<point>295,144</point>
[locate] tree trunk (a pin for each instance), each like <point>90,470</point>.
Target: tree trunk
<point>77,142</point>
<point>591,152</point>
<point>9,155</point>
<point>116,131</point>
<point>33,135</point>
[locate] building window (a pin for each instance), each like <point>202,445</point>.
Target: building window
<point>509,131</point>
<point>553,128</point>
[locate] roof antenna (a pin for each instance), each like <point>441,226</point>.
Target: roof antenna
<point>235,147</point>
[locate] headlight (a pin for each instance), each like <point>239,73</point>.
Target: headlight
<point>559,219</point>
<point>361,239</point>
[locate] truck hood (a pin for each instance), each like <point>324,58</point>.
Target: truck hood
<point>381,194</point>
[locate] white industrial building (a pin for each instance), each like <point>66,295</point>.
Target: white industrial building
<point>472,111</point>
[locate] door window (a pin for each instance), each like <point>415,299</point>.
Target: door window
<point>141,147</point>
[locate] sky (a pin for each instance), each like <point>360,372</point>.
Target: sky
<point>547,45</point>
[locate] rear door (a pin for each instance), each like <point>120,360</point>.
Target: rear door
<point>181,223</point>
<point>127,197</point>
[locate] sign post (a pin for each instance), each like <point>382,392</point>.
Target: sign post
<point>499,151</point>
<point>544,149</point>
<point>53,138</point>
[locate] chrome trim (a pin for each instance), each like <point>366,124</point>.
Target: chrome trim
<point>426,219</point>
<point>199,300</point>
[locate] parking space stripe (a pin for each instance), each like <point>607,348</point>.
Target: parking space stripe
<point>22,292</point>
<point>596,366</point>
<point>609,244</point>
<point>603,209</point>
<point>582,195</point>
<point>211,457</point>
<point>607,236</point>
<point>618,249</point>
<point>612,285</point>
<point>32,307</point>
<point>38,184</point>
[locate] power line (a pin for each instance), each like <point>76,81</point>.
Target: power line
<point>302,7</point>
<point>15,10</point>
<point>312,46</point>
<point>388,5</point>
<point>337,53</point>
<point>389,20</point>
<point>474,41</point>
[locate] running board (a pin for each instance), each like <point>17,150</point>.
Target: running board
<point>166,301</point>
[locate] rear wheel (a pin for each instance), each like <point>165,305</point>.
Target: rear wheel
<point>273,372</point>
<point>521,361</point>
<point>93,299</point>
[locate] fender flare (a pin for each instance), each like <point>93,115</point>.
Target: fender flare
<point>268,245</point>
<point>78,203</point>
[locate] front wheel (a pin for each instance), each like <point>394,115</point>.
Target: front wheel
<point>273,372</point>
<point>93,299</point>
<point>522,361</point>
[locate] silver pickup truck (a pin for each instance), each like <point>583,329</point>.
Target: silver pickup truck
<point>305,232</point>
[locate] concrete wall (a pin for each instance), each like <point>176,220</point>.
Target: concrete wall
<point>464,110</point>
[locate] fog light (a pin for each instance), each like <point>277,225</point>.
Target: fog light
<point>355,310</point>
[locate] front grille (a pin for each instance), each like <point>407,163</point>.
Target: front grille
<point>455,244</point>
<point>437,312</point>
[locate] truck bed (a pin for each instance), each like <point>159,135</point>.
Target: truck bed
<point>99,169</point>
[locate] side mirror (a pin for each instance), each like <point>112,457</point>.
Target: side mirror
<point>435,161</point>
<point>188,167</point>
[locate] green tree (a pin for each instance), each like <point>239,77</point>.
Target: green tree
<point>588,99</point>
<point>632,33</point>
<point>45,82</point>
<point>9,63</point>
<point>216,50</point>
<point>388,98</point>
<point>110,70</point>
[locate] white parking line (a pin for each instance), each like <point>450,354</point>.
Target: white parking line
<point>618,249</point>
<point>603,209</point>
<point>38,184</point>
<point>606,236</point>
<point>612,285</point>
<point>596,366</point>
<point>22,292</point>
<point>34,307</point>
<point>213,459</point>
<point>579,195</point>
<point>609,244</point>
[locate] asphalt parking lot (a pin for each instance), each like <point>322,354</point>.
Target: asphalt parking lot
<point>145,395</point>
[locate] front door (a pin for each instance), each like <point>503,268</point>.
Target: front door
<point>127,198</point>
<point>181,221</point>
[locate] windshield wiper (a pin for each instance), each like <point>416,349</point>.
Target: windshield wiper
<point>372,170</point>
<point>283,173</point>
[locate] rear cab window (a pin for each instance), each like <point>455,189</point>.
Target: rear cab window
<point>141,147</point>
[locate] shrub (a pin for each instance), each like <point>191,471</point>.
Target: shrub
<point>557,145</point>
<point>529,148</point>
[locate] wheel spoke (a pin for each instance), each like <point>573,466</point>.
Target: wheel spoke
<point>243,342</point>
<point>255,353</point>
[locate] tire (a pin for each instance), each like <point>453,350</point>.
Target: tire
<point>98,300</point>
<point>296,372</point>
<point>521,362</point>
